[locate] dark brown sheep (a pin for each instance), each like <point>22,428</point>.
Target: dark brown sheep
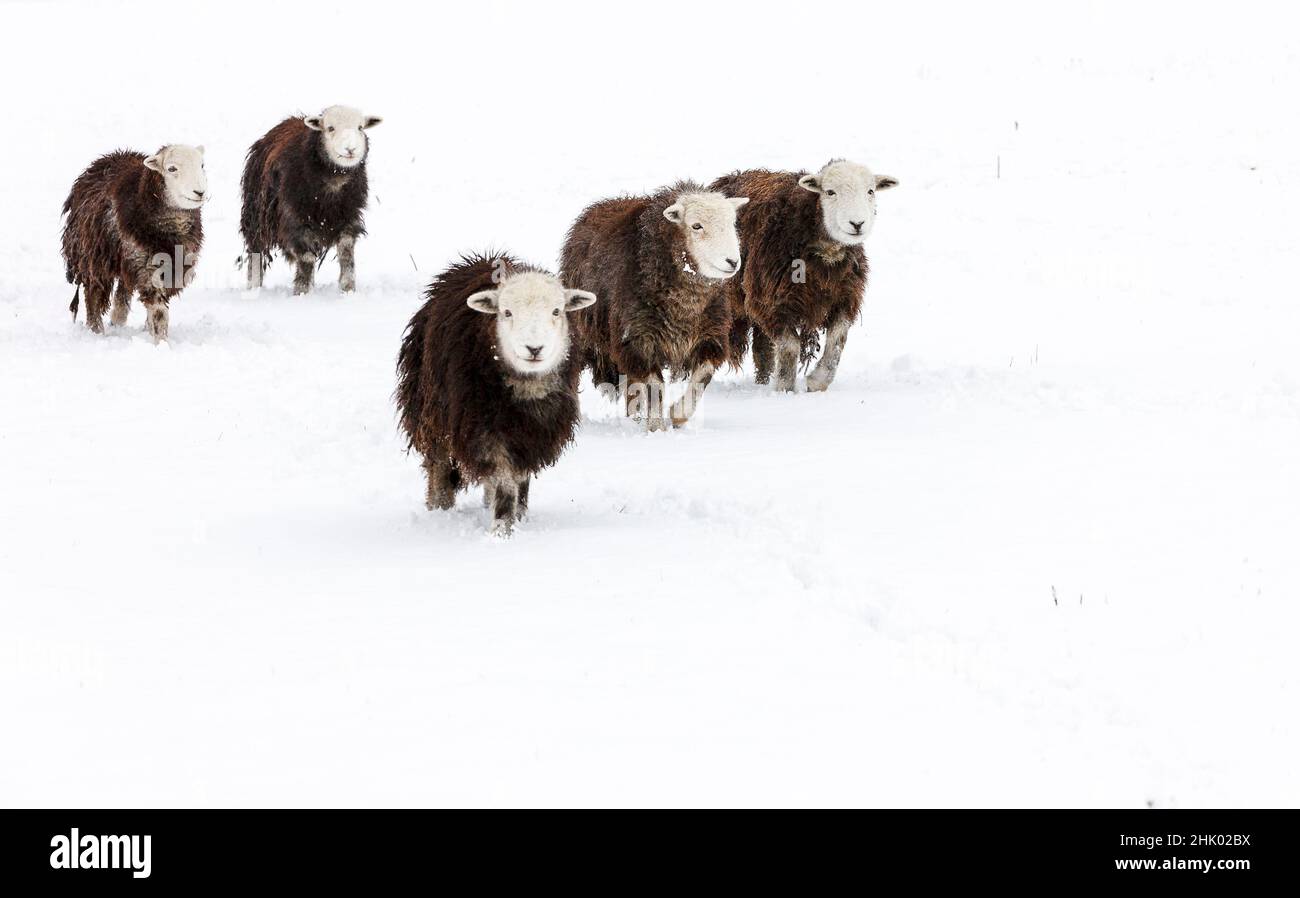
<point>805,270</point>
<point>487,388</point>
<point>133,224</point>
<point>658,263</point>
<point>304,190</point>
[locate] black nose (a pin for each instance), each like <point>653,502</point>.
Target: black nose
<point>198,193</point>
<point>733,263</point>
<point>857,226</point>
<point>535,351</point>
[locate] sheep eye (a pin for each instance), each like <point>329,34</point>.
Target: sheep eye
<point>830,193</point>
<point>171,168</point>
<point>506,313</point>
<point>330,129</point>
<point>697,226</point>
<point>871,191</point>
<point>556,313</point>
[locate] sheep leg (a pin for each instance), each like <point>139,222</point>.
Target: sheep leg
<point>645,400</point>
<point>255,269</point>
<point>787,362</point>
<point>121,303</point>
<point>521,502</point>
<point>156,318</point>
<point>764,357</point>
<point>96,302</point>
<point>738,339</point>
<point>305,276</point>
<point>346,250</point>
<point>442,480</point>
<point>824,372</point>
<point>683,408</point>
<point>604,375</point>
<point>505,505</point>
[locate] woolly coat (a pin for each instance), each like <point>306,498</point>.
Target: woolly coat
<point>780,226</point>
<point>294,198</point>
<point>655,312</point>
<point>117,221</point>
<point>457,399</point>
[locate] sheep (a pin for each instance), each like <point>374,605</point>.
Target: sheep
<point>304,190</point>
<point>805,269</point>
<point>133,223</point>
<point>487,386</point>
<point>658,263</point>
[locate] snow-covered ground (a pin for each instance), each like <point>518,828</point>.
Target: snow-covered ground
<point>1037,545</point>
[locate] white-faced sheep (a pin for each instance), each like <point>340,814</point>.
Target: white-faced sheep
<point>487,387</point>
<point>805,270</point>
<point>133,224</point>
<point>304,190</point>
<point>658,263</point>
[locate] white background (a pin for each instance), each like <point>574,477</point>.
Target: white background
<point>1037,545</point>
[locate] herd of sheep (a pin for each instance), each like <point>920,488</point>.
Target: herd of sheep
<point>673,284</point>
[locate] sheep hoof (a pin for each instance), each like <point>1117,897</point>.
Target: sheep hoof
<point>503,528</point>
<point>654,425</point>
<point>348,286</point>
<point>818,384</point>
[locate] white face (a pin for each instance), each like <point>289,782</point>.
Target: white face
<point>343,130</point>
<point>709,222</point>
<point>848,193</point>
<point>185,183</point>
<point>532,319</point>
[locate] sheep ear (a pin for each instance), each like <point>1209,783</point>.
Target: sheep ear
<point>154,162</point>
<point>738,201</point>
<point>810,182</point>
<point>577,299</point>
<point>674,213</point>
<point>484,301</point>
<point>884,182</point>
<point>313,122</point>
<point>372,120</point>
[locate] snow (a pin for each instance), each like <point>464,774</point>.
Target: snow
<point>1036,546</point>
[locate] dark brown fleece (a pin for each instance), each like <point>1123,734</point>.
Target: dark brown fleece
<point>782,223</point>
<point>653,313</point>
<point>457,398</point>
<point>295,198</point>
<point>117,220</point>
